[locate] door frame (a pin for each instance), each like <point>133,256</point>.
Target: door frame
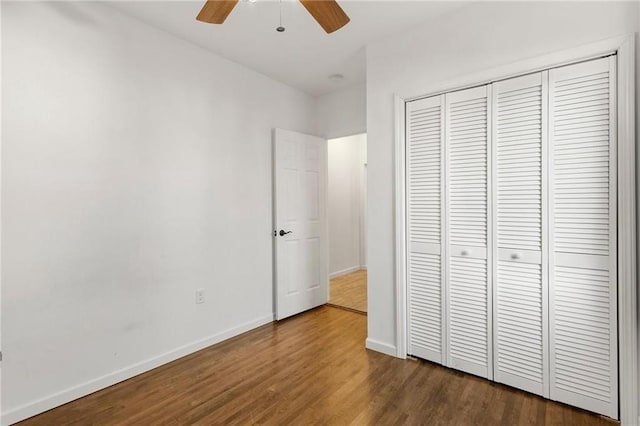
<point>624,48</point>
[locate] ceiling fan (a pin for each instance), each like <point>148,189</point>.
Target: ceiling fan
<point>327,13</point>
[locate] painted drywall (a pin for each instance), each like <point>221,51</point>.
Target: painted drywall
<point>343,112</point>
<point>346,161</point>
<point>136,168</point>
<point>479,36</point>
<point>638,170</point>
<point>1,133</point>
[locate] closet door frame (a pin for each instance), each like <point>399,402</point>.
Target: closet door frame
<point>624,48</point>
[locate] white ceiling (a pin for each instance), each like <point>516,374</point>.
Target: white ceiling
<point>304,56</point>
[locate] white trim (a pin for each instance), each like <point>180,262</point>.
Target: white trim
<point>324,222</point>
<point>614,325</point>
<point>624,46</point>
<point>345,271</point>
<point>544,261</point>
<point>489,230</point>
<point>444,228</point>
<point>362,209</point>
<point>627,250</point>
<point>384,348</point>
<point>75,392</point>
<point>1,149</point>
<point>400,219</point>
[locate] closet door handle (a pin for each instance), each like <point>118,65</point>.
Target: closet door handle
<point>516,256</point>
<point>465,253</point>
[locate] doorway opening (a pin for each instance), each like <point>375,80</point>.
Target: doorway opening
<point>347,201</point>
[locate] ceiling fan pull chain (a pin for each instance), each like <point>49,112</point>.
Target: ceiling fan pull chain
<point>281,29</point>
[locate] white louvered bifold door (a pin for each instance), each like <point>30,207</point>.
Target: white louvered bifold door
<point>425,161</point>
<point>520,268</point>
<point>467,286</point>
<point>582,285</point>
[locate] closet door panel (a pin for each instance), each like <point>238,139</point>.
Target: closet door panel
<point>583,282</point>
<point>425,164</point>
<point>467,302</point>
<point>520,284</point>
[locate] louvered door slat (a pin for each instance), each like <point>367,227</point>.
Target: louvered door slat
<point>520,314</point>
<point>424,127</point>
<point>467,169</point>
<point>583,327</point>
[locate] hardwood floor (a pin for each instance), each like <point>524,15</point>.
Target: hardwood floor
<point>309,369</point>
<point>350,291</point>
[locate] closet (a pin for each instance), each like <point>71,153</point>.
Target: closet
<point>511,232</point>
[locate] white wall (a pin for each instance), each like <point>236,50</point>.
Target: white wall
<point>346,160</point>
<point>343,112</point>
<point>1,133</point>
<point>638,171</point>
<point>136,168</point>
<point>479,36</point>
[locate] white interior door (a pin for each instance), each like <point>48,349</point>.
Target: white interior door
<point>583,261</point>
<point>529,296</point>
<point>468,269</point>
<point>520,237</point>
<point>425,230</point>
<point>300,222</point>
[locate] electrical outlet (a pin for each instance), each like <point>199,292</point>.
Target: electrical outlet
<point>199,296</point>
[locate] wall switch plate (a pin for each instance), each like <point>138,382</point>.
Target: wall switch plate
<point>199,296</point>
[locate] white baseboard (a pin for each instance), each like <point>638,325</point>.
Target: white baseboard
<point>384,348</point>
<point>345,271</point>
<point>75,392</point>
<point>363,267</point>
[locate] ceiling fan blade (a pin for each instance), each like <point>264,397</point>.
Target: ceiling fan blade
<point>328,13</point>
<point>216,11</point>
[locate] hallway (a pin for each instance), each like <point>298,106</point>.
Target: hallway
<point>350,291</point>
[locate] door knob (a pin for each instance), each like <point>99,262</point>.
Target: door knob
<point>283,233</point>
<point>516,256</point>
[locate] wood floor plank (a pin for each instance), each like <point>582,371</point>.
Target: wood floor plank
<point>307,370</point>
<point>349,291</point>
